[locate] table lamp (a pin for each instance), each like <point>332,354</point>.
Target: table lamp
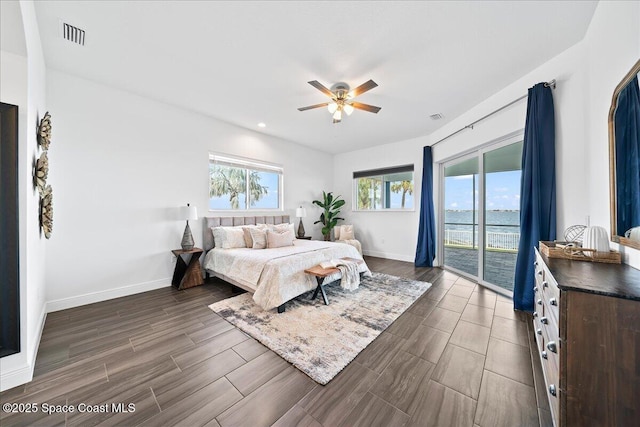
<point>188,212</point>
<point>301,213</point>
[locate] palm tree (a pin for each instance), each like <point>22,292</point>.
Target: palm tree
<point>405,187</point>
<point>225,180</point>
<point>368,191</point>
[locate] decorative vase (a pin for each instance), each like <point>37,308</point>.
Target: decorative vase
<point>595,238</point>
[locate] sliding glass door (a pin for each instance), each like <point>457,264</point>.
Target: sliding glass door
<point>480,212</point>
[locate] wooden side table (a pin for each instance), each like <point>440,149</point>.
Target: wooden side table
<point>187,275</point>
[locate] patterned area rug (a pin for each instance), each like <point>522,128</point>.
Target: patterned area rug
<point>319,339</point>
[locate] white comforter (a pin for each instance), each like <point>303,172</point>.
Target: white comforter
<point>277,275</point>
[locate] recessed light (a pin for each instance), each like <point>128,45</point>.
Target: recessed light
<point>262,125</point>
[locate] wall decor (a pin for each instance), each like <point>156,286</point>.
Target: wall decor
<point>41,172</point>
<point>46,211</point>
<point>44,132</point>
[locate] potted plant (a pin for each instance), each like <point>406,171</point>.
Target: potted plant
<point>329,218</point>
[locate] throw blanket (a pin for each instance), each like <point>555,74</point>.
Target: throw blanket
<point>350,275</point>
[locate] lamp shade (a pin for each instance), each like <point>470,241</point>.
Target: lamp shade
<point>301,212</point>
<point>188,212</point>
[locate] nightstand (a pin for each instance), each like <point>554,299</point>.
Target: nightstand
<point>187,274</point>
<point>304,237</point>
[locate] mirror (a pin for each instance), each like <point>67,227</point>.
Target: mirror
<point>624,160</point>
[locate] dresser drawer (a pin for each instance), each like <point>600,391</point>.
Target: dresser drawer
<point>546,290</point>
<point>550,362</point>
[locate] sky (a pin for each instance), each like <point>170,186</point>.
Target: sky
<point>503,191</point>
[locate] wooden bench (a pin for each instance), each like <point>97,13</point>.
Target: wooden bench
<point>321,273</point>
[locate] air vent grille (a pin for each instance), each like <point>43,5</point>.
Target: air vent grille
<point>436,116</point>
<point>73,34</point>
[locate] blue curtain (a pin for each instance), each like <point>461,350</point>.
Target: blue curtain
<point>426,250</point>
<point>537,190</point>
<point>627,125</point>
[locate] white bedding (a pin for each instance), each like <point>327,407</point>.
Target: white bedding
<point>277,275</point>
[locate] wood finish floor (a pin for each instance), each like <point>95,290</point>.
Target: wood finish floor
<point>460,356</point>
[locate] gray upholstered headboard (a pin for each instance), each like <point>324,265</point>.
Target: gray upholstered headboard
<point>232,221</point>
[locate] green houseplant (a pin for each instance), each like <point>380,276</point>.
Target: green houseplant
<point>329,218</point>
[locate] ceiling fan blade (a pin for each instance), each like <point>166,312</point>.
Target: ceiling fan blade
<point>366,107</point>
<point>322,88</point>
<point>324,104</point>
<point>363,88</point>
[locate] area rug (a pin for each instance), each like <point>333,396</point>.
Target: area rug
<point>319,339</point>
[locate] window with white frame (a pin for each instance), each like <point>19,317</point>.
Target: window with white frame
<point>243,184</point>
<point>387,188</point>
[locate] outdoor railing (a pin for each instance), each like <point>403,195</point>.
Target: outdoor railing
<point>494,240</point>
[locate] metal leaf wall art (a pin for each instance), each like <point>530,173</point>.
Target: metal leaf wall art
<point>44,132</point>
<point>46,211</point>
<point>41,172</point>
<point>40,175</point>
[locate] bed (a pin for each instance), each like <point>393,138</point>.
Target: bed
<point>274,276</point>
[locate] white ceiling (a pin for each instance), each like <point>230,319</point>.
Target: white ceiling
<point>11,29</point>
<point>249,62</point>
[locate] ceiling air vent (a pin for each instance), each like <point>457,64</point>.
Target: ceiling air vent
<point>73,34</point>
<point>436,116</point>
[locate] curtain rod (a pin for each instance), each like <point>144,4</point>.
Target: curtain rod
<point>551,84</point>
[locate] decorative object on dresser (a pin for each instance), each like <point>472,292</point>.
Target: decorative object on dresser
<point>319,339</point>
<point>570,250</point>
<point>187,274</point>
<point>301,213</point>
<point>587,328</point>
<point>329,217</point>
<point>188,213</point>
<point>595,238</point>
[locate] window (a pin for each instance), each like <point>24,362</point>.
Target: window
<point>388,188</point>
<point>241,184</point>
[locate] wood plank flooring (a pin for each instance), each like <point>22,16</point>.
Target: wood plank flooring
<point>460,356</point>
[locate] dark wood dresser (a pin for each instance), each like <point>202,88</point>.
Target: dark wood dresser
<point>587,327</point>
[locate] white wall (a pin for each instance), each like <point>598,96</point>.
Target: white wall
<point>122,164</point>
<point>586,75</point>
<point>386,234</point>
<point>613,47</point>
<point>23,83</point>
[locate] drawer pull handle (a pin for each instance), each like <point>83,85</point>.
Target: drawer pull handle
<point>539,272</point>
<point>535,263</point>
<point>540,302</point>
<point>535,314</point>
<point>553,301</point>
<point>551,346</point>
<point>535,289</point>
<point>539,331</point>
<point>552,389</point>
<point>544,354</point>
<point>545,284</point>
<point>544,320</point>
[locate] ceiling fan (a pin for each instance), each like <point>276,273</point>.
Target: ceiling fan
<point>341,99</point>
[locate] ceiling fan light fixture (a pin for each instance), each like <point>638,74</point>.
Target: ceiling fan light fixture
<point>332,107</point>
<point>348,108</point>
<point>337,115</point>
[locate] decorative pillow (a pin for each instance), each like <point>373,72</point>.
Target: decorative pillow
<point>248,241</point>
<point>336,232</point>
<point>259,238</point>
<point>279,239</point>
<point>282,227</point>
<point>228,237</point>
<point>346,232</point>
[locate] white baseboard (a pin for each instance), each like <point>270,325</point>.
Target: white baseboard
<point>388,255</point>
<point>10,378</point>
<point>90,298</point>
